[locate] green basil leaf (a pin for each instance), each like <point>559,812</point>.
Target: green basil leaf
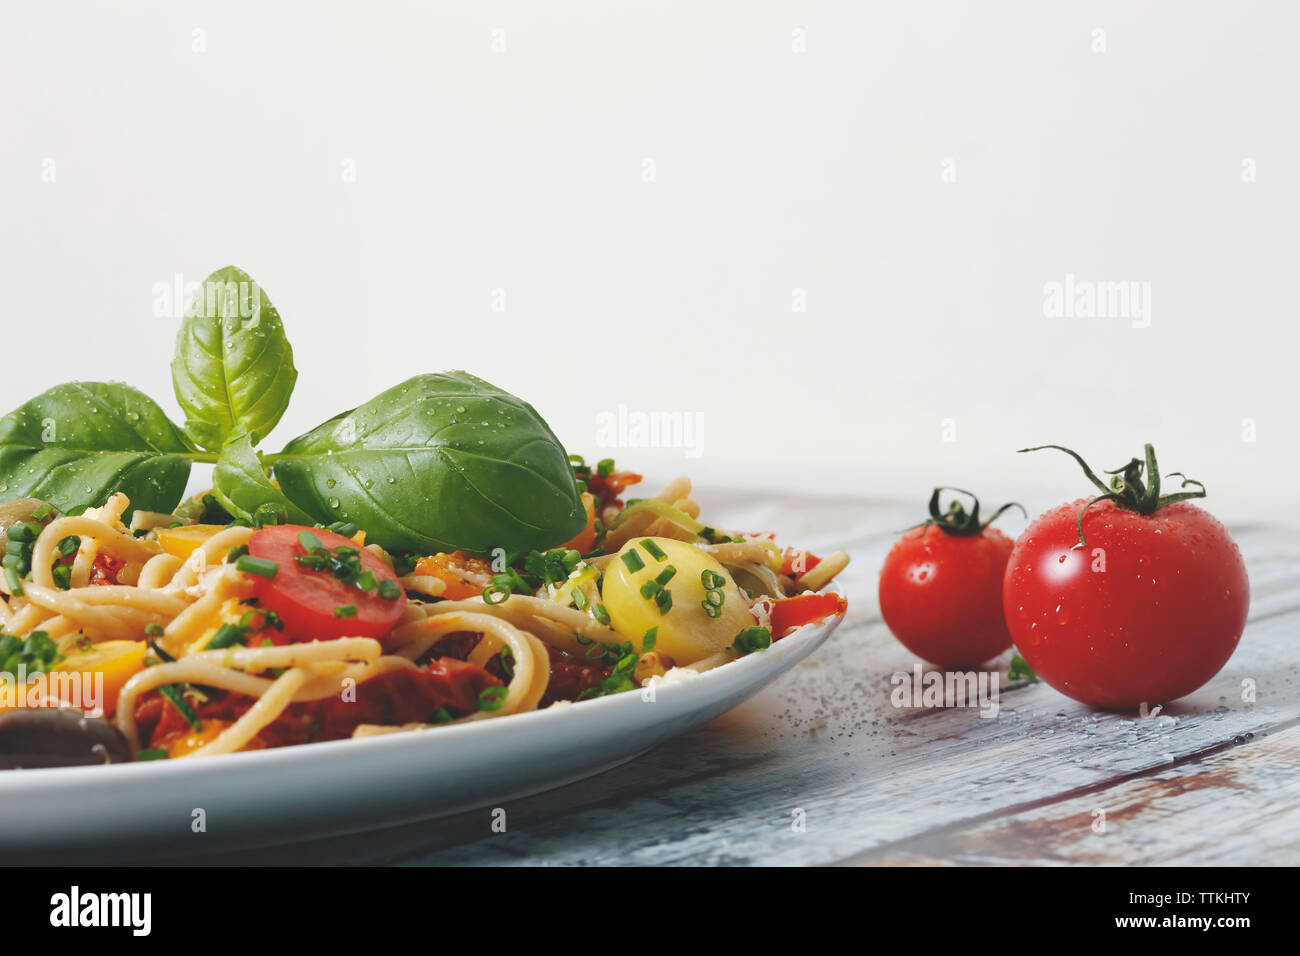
<point>438,463</point>
<point>233,364</point>
<point>76,444</point>
<point>241,485</point>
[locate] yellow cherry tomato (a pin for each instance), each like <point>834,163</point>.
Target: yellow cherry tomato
<point>686,632</point>
<point>118,661</point>
<point>181,541</point>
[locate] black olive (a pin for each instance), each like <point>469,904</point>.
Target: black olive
<point>58,737</point>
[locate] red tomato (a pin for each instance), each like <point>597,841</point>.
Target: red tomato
<point>941,595</point>
<point>609,488</point>
<point>105,569</point>
<point>1146,608</point>
<point>796,562</point>
<point>789,613</point>
<point>305,598</point>
<point>398,697</point>
<point>1146,611</point>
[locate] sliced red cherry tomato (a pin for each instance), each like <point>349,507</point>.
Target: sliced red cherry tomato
<point>792,612</point>
<point>313,603</point>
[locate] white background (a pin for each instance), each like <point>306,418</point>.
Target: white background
<point>794,146</point>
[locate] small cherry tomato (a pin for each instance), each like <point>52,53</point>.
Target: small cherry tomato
<point>1132,597</point>
<point>319,603</point>
<point>941,586</point>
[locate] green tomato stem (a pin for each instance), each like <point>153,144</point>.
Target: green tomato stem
<point>1126,487</point>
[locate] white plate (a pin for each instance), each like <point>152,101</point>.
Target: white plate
<point>328,789</point>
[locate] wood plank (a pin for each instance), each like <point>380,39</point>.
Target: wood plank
<point>1238,805</point>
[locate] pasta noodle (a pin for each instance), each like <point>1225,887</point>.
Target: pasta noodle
<point>220,668</point>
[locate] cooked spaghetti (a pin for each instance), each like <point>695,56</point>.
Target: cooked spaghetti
<point>211,636</point>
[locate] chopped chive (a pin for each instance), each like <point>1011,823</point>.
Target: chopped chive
<point>345,610</point>
<point>367,581</point>
<point>656,552</point>
<point>227,635</point>
<point>650,589</point>
<point>600,613</point>
<point>492,698</point>
<point>753,639</point>
<point>605,467</point>
<point>173,694</point>
<point>715,597</point>
<point>310,542</point>
<point>15,584</point>
<point>712,610</point>
<point>259,566</point>
<point>579,599</point>
<point>235,553</point>
<point>712,580</point>
<point>632,560</point>
<point>43,512</point>
<point>666,575</point>
<point>582,639</point>
<point>24,531</point>
<point>389,589</point>
<point>152,753</point>
<point>62,576</point>
<point>69,545</point>
<point>664,601</point>
<point>650,639</point>
<point>153,630</point>
<point>441,716</point>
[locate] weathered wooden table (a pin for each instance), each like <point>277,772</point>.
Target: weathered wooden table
<point>1211,779</point>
